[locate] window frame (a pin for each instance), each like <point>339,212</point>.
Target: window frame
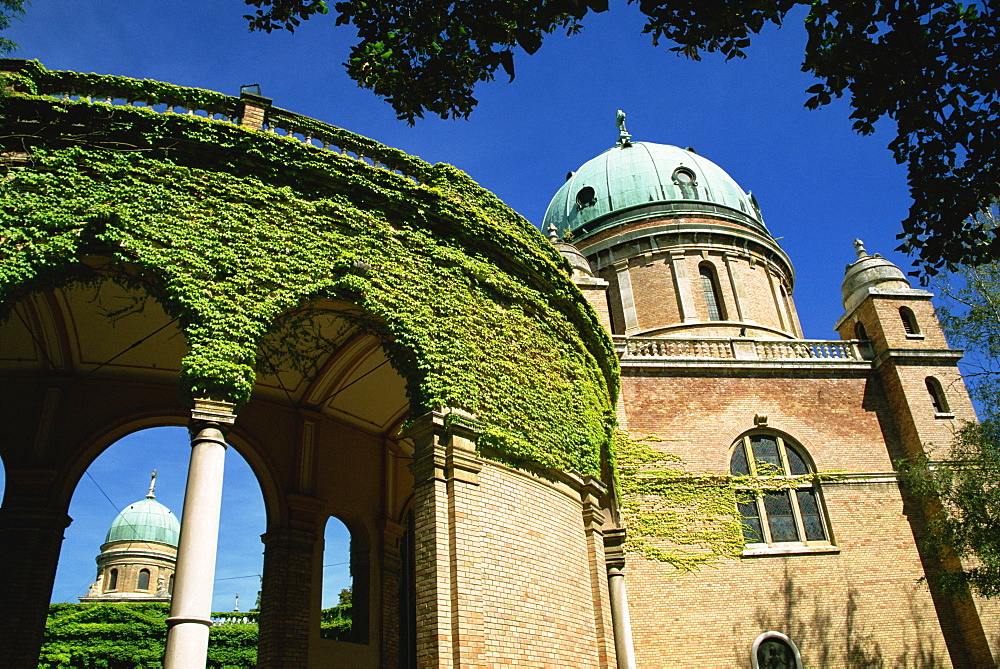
<point>766,541</point>
<point>707,271</point>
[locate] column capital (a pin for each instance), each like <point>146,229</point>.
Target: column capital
<point>208,415</point>
<point>614,549</point>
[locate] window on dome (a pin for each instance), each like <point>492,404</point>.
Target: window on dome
<point>113,580</point>
<point>686,181</point>
<point>791,511</point>
<point>714,305</point>
<point>143,580</point>
<point>586,197</point>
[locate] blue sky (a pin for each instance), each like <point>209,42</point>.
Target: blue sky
<point>819,184</point>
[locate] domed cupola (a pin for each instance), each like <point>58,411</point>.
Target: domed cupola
<point>868,275</point>
<point>637,179</point>
<point>683,249</point>
<point>145,520</point>
<point>139,554</point>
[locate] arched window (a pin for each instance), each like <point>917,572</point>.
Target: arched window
<point>710,289</point>
<point>143,580</point>
<point>938,398</point>
<point>859,331</point>
<point>170,586</point>
<point>792,510</point>
<point>774,650</point>
<point>113,580</point>
<point>909,321</point>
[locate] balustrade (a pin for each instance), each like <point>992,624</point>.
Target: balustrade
<point>743,349</point>
<point>210,105</point>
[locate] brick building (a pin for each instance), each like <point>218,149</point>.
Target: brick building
<point>676,259</point>
<point>429,375</point>
<point>139,554</point>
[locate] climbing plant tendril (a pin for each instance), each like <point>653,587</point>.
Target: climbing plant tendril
<point>236,232</point>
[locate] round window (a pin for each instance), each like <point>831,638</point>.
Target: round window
<point>683,177</point>
<point>586,197</point>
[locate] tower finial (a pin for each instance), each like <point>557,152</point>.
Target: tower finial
<point>152,486</point>
<point>553,233</point>
<point>624,139</point>
<point>859,247</point>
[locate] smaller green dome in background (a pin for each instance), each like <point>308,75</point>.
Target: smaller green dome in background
<point>145,520</point>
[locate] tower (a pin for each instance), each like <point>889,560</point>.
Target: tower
<point>139,554</point>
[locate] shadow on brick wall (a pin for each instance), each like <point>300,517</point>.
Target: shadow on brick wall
<point>842,632</point>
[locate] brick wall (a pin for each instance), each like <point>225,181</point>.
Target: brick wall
<point>536,590</point>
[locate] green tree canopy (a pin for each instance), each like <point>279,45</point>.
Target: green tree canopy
<point>929,66</point>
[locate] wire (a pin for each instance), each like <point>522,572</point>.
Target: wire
<point>234,578</point>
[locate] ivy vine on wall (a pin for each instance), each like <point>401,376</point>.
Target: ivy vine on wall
<point>232,229</point>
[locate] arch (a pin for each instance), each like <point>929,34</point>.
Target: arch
<point>121,470</point>
<point>938,398</point>
<point>910,325</point>
<point>715,307</point>
<point>792,658</point>
<point>782,505</point>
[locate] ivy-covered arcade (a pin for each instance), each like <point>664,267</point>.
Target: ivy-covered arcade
<point>381,339</point>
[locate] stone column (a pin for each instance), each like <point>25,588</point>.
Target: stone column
<point>614,542</point>
<point>447,545</point>
<point>31,537</point>
<point>191,606</point>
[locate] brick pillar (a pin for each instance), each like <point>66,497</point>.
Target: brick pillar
<point>392,565</point>
<point>593,521</point>
<point>254,110</point>
<point>31,537</point>
<point>286,602</point>
<point>448,547</point>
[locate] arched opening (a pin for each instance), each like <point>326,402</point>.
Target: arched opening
<point>338,587</point>
<point>860,332</point>
<point>714,306</point>
<point>134,567</point>
<point>938,398</point>
<point>910,325</point>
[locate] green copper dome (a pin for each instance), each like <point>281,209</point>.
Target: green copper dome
<point>146,520</point>
<point>636,179</point>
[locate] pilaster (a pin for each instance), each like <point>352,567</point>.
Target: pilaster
<point>448,541</point>
<point>593,523</point>
<point>682,286</point>
<point>627,299</point>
